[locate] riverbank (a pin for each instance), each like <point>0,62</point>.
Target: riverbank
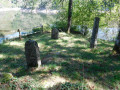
<point>9,9</point>
<point>46,11</point>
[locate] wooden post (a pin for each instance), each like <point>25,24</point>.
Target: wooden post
<point>42,28</point>
<point>19,34</point>
<point>93,41</point>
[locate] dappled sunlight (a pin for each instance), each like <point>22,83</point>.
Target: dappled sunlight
<point>66,44</point>
<point>41,80</point>
<point>66,38</point>
<point>29,79</point>
<point>42,46</point>
<point>19,44</point>
<point>60,57</point>
<point>115,63</point>
<point>63,34</point>
<point>89,61</point>
<point>79,39</point>
<point>117,85</point>
<point>70,45</point>
<point>51,81</point>
<point>92,85</point>
<point>47,68</point>
<point>2,56</point>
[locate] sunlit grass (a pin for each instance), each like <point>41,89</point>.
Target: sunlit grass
<point>2,56</point>
<point>68,59</point>
<point>17,44</point>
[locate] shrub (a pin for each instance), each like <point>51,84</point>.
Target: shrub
<point>80,29</point>
<point>61,26</point>
<point>38,29</point>
<point>47,27</point>
<point>76,29</point>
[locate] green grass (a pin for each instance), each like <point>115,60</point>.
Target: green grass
<point>68,59</point>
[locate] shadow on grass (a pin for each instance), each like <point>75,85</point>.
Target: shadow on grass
<point>98,65</point>
<point>78,61</point>
<point>13,58</point>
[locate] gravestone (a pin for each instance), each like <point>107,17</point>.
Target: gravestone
<point>93,41</point>
<point>41,29</point>
<point>32,54</point>
<point>55,33</point>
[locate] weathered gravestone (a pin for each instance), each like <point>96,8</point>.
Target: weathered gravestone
<point>55,33</point>
<point>5,77</point>
<point>32,54</point>
<point>93,41</point>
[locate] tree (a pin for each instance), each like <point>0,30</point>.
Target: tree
<point>116,47</point>
<point>69,15</point>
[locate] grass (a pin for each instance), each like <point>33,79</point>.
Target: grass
<point>68,59</point>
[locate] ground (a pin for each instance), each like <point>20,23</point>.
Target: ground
<point>68,59</point>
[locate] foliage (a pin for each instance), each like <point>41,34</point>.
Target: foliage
<point>7,81</point>
<point>6,3</point>
<point>38,29</point>
<point>15,84</point>
<point>83,30</point>
<point>29,4</point>
<point>84,12</point>
<point>60,25</point>
<point>76,29</point>
<point>5,77</point>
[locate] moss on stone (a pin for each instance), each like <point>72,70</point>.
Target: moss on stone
<point>6,77</point>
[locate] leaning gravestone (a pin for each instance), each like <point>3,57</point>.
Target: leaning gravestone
<point>32,54</point>
<point>55,33</point>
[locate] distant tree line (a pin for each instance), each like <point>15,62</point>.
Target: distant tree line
<point>33,4</point>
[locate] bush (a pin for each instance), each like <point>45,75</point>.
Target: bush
<point>76,29</point>
<point>80,29</point>
<point>47,27</point>
<point>38,29</point>
<point>61,26</point>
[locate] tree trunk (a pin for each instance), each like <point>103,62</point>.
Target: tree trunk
<point>94,33</point>
<point>116,47</point>
<point>69,15</point>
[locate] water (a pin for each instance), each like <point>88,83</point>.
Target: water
<point>25,20</point>
<point>108,34</point>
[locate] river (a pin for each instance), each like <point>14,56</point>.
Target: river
<point>12,19</point>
